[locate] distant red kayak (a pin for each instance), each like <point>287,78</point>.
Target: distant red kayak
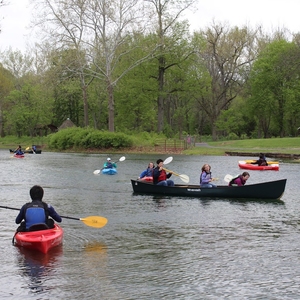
<point>19,155</point>
<point>41,240</point>
<point>249,166</point>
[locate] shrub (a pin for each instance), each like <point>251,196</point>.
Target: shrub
<point>88,138</point>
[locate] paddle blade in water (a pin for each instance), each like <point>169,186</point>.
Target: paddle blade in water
<point>168,160</point>
<point>94,221</point>
<point>97,171</point>
<point>122,158</point>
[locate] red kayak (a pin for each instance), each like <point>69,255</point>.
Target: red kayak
<point>19,155</point>
<point>40,240</point>
<point>249,166</point>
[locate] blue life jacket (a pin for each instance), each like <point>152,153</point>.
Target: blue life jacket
<point>36,212</point>
<point>19,152</point>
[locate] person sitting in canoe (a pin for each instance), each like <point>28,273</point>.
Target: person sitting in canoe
<point>205,177</point>
<point>36,213</point>
<point>19,151</point>
<point>160,177</point>
<point>240,180</point>
<point>109,164</point>
<point>146,175</point>
<point>261,161</point>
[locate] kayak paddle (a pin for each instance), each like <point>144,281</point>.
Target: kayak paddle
<point>92,221</point>
<point>183,177</point>
<point>168,160</point>
<point>229,177</point>
<point>120,159</point>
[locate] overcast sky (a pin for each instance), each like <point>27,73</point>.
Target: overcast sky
<point>272,14</point>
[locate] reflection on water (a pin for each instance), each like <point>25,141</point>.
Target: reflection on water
<point>37,267</point>
<point>95,258</point>
<point>96,248</point>
<point>153,247</point>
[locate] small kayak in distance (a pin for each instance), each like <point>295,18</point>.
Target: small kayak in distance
<point>249,166</point>
<point>111,171</point>
<point>249,161</point>
<point>19,155</point>
<point>40,240</point>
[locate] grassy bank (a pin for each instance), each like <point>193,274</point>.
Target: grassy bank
<point>12,142</point>
<point>274,145</point>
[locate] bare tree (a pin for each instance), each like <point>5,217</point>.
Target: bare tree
<point>99,29</point>
<point>227,54</point>
<point>167,14</point>
<point>110,22</point>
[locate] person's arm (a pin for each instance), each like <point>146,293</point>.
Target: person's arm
<point>143,174</point>
<point>169,175</point>
<point>53,214</point>
<point>20,216</point>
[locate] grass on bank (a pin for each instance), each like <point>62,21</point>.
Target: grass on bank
<point>290,145</point>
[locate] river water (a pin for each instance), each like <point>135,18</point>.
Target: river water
<point>152,247</point>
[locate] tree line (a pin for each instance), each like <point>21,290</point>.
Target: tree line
<point>134,66</point>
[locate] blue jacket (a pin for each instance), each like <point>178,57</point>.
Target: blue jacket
<point>147,173</point>
<point>36,212</point>
<point>110,165</point>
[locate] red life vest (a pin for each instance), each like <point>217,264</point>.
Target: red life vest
<point>162,176</point>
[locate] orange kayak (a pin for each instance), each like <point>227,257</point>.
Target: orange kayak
<point>40,240</point>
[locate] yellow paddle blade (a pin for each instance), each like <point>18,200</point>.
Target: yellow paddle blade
<point>27,148</point>
<point>94,221</point>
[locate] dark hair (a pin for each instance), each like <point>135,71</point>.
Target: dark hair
<point>36,193</point>
<point>245,174</point>
<point>159,161</point>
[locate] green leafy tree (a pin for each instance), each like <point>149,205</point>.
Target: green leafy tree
<point>6,85</point>
<point>275,87</point>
